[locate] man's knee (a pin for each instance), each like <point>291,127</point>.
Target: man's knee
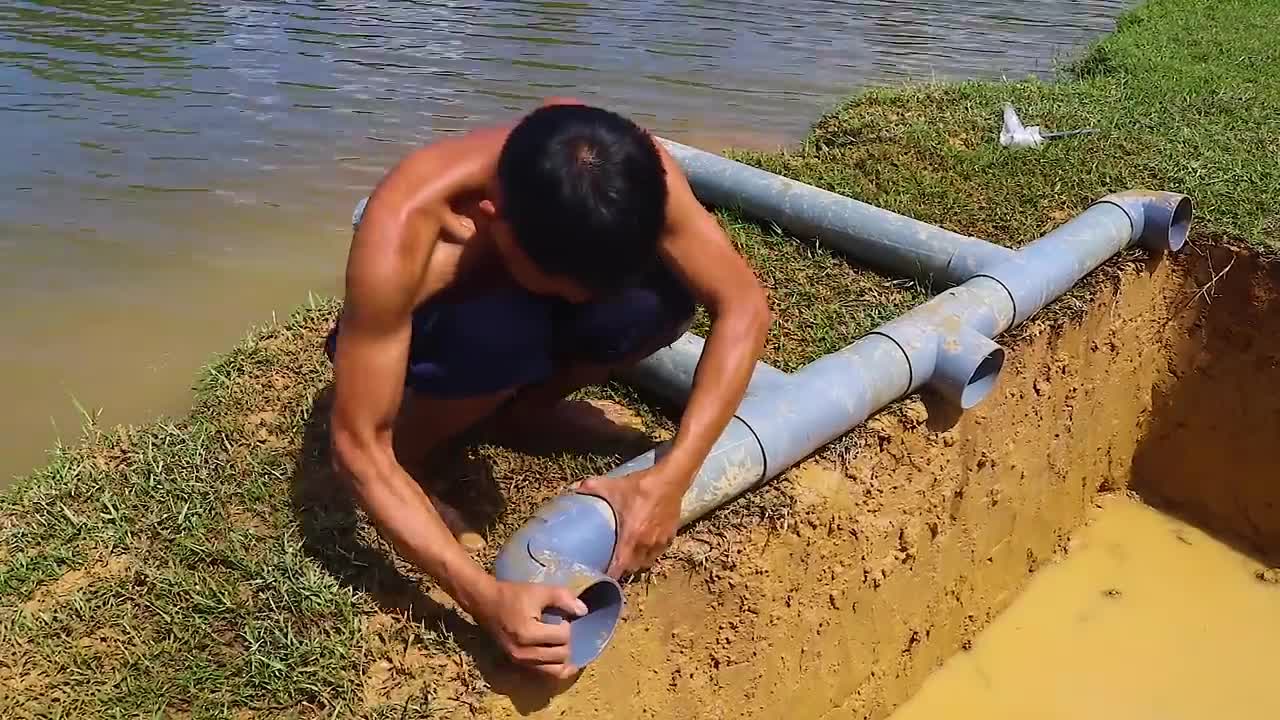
<point>475,347</point>
<point>481,346</point>
<point>626,328</point>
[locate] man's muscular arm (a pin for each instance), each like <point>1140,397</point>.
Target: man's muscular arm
<point>385,269</point>
<point>697,249</point>
<point>385,272</point>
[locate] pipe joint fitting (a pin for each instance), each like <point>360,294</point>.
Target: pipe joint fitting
<point>569,543</point>
<point>1160,220</point>
<point>956,361</point>
<point>967,367</point>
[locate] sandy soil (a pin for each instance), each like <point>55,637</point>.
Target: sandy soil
<point>1216,412</point>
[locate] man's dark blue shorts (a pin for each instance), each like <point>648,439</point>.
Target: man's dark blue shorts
<point>509,339</point>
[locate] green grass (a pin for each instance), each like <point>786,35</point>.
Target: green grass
<point>1183,94</point>
<point>210,567</point>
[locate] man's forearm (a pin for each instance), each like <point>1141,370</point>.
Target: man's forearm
<point>719,383</point>
<point>405,516</point>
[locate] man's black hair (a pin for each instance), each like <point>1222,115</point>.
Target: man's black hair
<point>585,194</point>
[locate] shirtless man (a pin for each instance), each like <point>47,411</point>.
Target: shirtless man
<point>503,270</point>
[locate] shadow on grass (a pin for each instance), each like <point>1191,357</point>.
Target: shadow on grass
<point>335,535</point>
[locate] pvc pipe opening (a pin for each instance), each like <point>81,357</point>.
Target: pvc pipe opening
<point>1161,220</point>
<point>983,380</point>
<point>590,634</point>
<point>1179,224</point>
<point>569,542</point>
<point>967,367</point>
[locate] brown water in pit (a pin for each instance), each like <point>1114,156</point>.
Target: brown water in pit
<point>174,171</point>
<point>1147,618</point>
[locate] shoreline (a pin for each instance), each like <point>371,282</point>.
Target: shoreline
<point>215,570</point>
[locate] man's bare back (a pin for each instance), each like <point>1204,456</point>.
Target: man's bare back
<point>508,268</point>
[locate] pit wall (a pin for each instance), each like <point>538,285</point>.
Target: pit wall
<point>1210,452</point>
<point>909,541</point>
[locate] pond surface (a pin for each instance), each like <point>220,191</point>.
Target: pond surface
<point>176,171</point>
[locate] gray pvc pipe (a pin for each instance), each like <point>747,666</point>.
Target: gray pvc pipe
<point>1042,271</point>
<point>569,542</point>
<point>945,343</point>
<point>873,236</point>
<point>668,373</point>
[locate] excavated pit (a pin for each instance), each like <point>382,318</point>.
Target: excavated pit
<point>908,541</point>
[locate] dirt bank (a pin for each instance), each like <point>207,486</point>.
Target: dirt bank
<point>906,542</point>
<point>1209,448</point>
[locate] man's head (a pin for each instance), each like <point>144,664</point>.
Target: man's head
<point>581,196</point>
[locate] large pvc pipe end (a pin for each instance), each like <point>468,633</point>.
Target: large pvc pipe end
<point>968,367</point>
<point>569,543</point>
<point>1167,221</point>
<point>1160,220</point>
<point>590,633</point>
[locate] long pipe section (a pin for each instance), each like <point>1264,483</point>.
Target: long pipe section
<point>873,236</point>
<point>668,373</point>
<point>945,343</point>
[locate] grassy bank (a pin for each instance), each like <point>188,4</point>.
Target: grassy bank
<point>207,565</point>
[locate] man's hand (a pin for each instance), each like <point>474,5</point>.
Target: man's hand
<point>512,612</point>
<point>647,504</point>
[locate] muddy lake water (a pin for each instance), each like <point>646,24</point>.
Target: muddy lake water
<point>1147,618</point>
<point>175,172</point>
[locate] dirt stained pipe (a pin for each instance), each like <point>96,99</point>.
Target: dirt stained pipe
<point>945,343</point>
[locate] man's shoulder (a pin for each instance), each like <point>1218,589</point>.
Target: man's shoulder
<point>682,205</point>
<point>669,165</point>
<point>483,142</point>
